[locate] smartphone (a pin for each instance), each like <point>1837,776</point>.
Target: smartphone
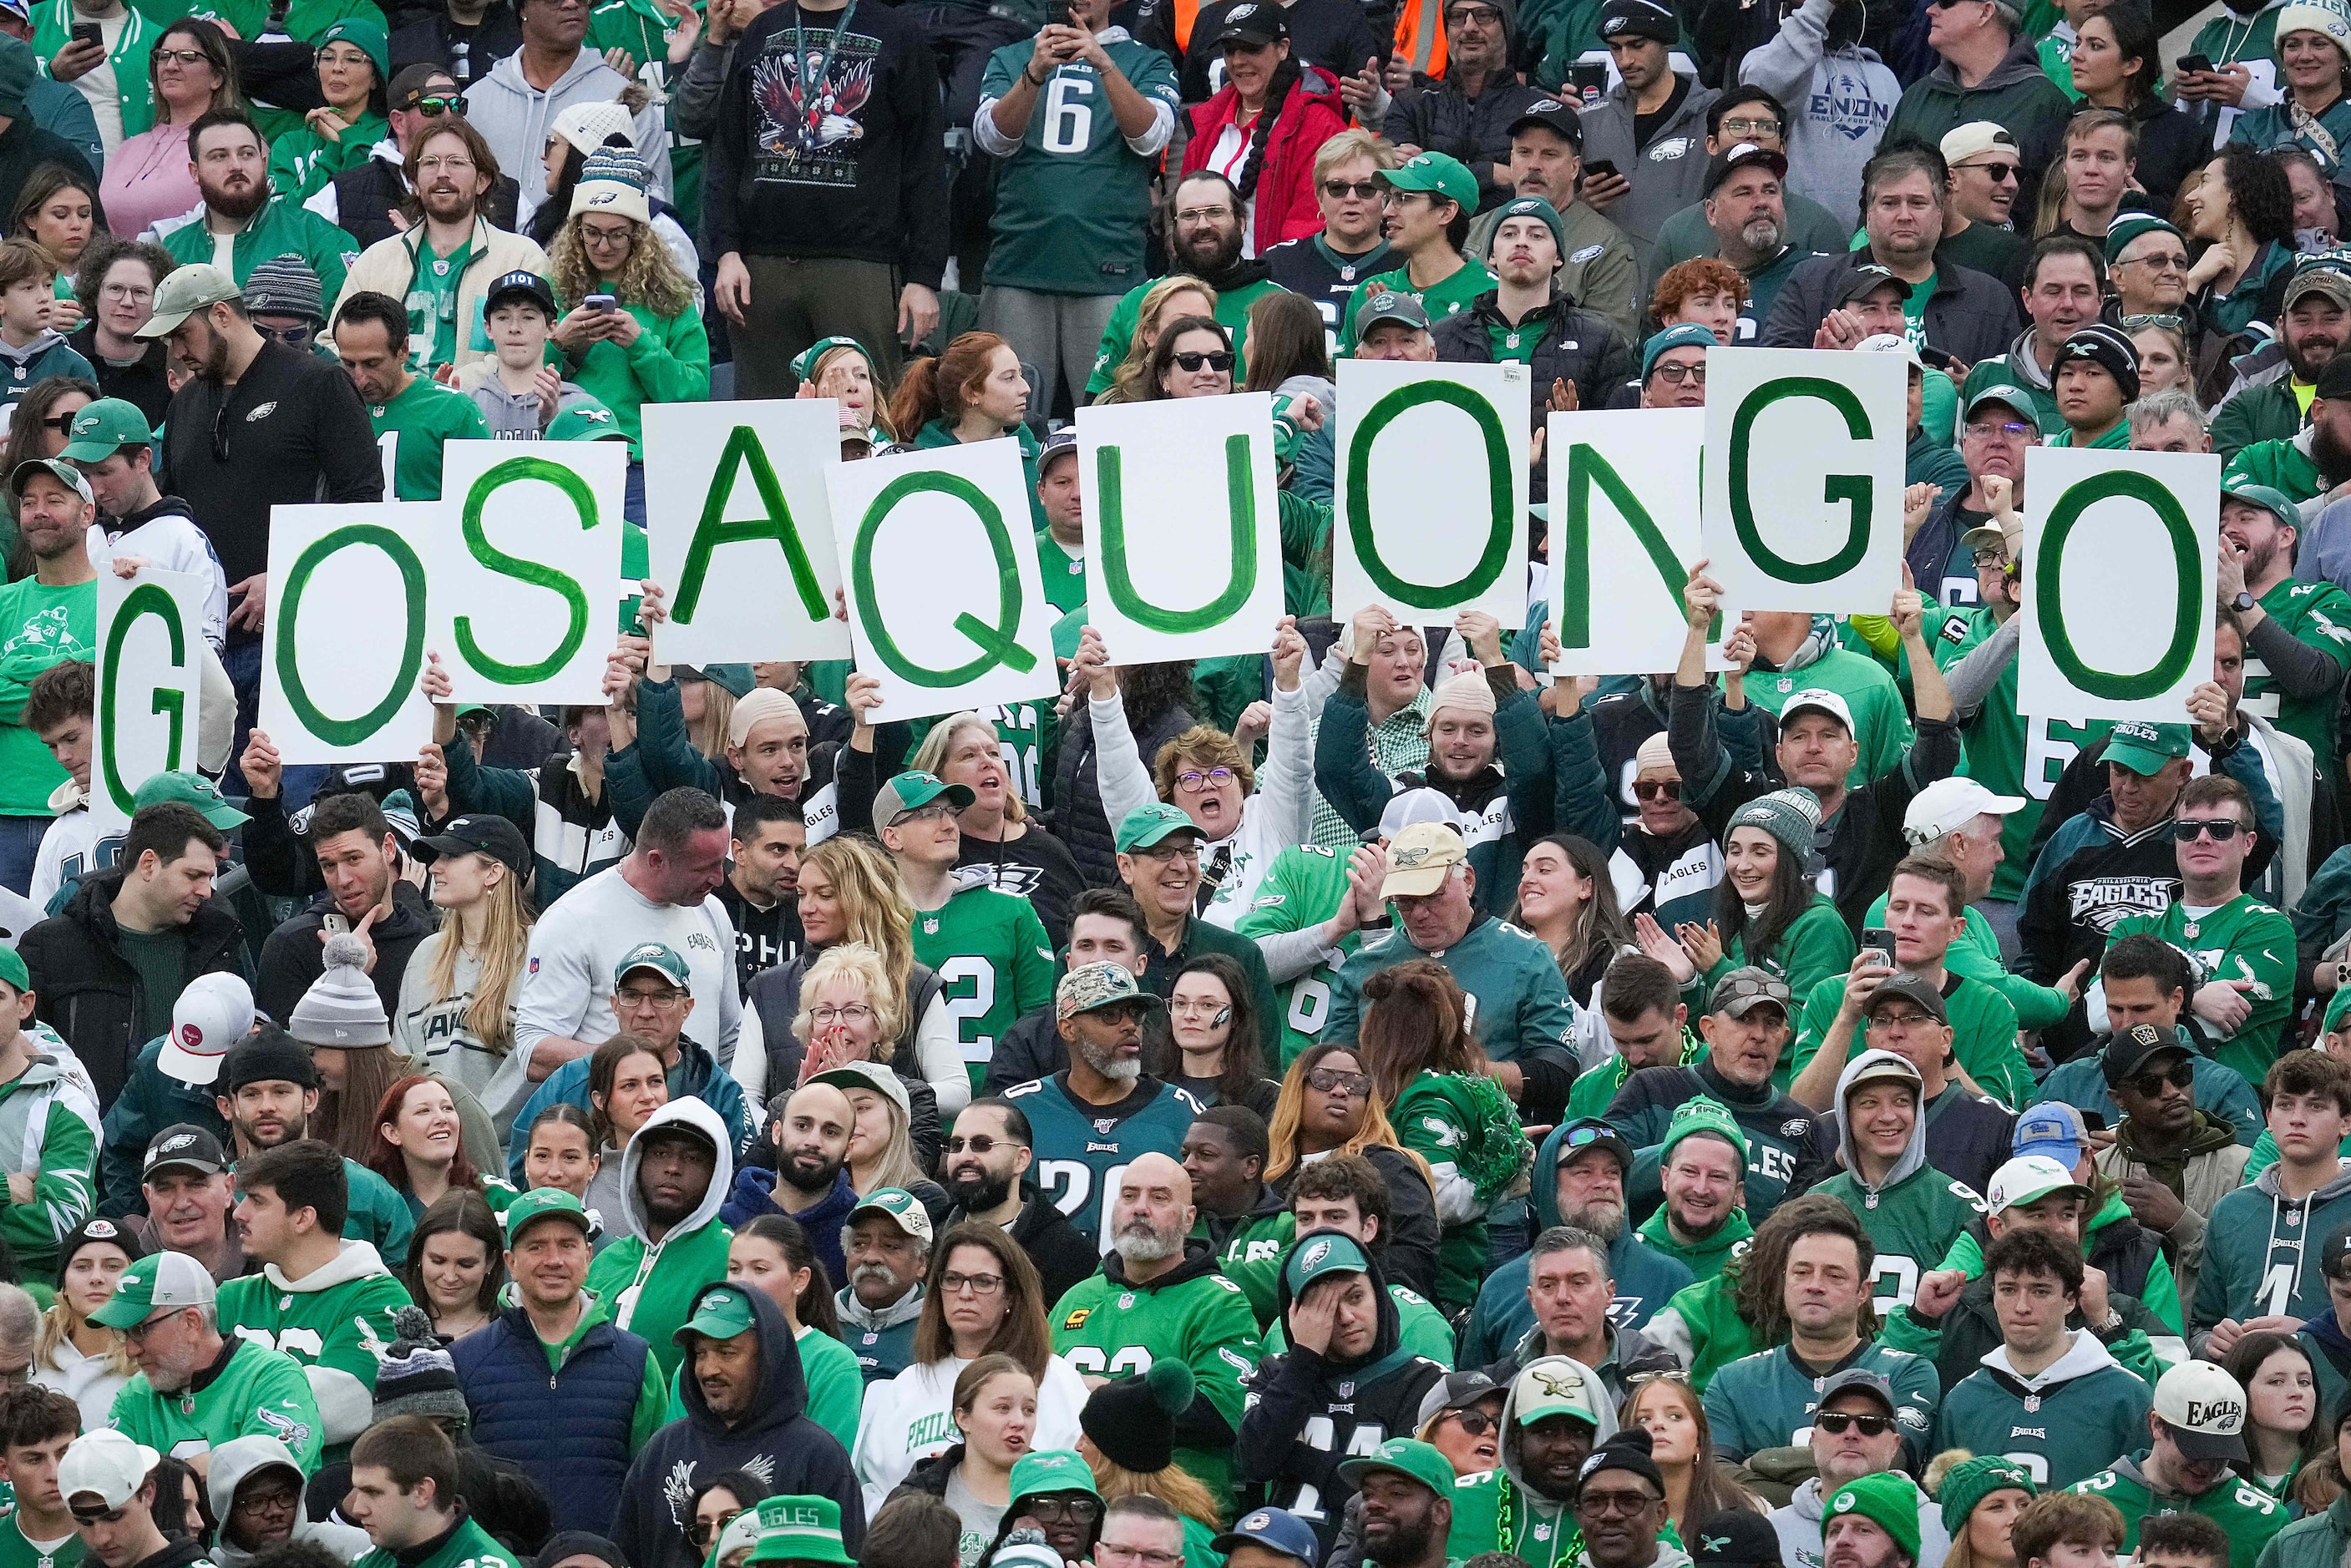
<point>88,33</point>
<point>601,302</point>
<point>1600,168</point>
<point>1937,358</point>
<point>1877,942</point>
<point>2194,63</point>
<point>334,923</point>
<point>1588,80</point>
<point>2094,1120</point>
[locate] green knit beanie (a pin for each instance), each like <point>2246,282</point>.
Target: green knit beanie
<point>1970,1481</point>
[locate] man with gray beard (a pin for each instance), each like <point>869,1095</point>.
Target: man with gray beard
<point>1159,1301</point>
<point>1746,207</point>
<point>887,1243</point>
<point>1102,1111</point>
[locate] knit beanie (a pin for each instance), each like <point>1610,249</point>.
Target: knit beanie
<point>1132,1419</point>
<point>267,1055</point>
<point>1626,1448</point>
<point>565,1543</point>
<point>1791,816</point>
<point>371,40</point>
<point>1469,692</point>
<point>2102,345</point>
<point>341,1011</point>
<point>285,285</point>
<point>1970,1481</point>
<point>1702,1114</point>
<point>98,1227</point>
<point>1889,1499</point>
<point>589,126</point>
<point>2323,20</point>
<point>17,71</point>
<point>612,181</point>
<point>413,1375</point>
<point>2128,227</point>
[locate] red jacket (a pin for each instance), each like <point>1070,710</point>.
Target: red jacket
<point>1310,116</point>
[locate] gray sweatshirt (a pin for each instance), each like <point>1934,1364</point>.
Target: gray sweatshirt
<point>1838,103</point>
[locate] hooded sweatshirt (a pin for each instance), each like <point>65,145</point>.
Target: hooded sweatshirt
<point>1502,1511</point>
<point>335,1321</point>
<point>1913,1215</point>
<point>517,119</point>
<point>883,1342</point>
<point>2072,1416</point>
<point>232,1462</point>
<point>2255,1260</point>
<point>651,1283</point>
<point>1307,1413</point>
<point>775,1440</point>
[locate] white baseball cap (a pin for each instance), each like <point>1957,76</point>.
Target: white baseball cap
<point>1895,343</point>
<point>1407,806</point>
<point>106,1462</point>
<point>1947,806</point>
<point>2204,1408</point>
<point>1819,700</point>
<point>2028,1179</point>
<point>213,1013</point>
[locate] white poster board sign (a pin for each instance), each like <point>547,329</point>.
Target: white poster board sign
<point>1431,491</point>
<point>150,670</point>
<point>1803,478</point>
<point>1183,527</point>
<point>2118,582</point>
<point>526,568</point>
<point>740,530</point>
<point>945,605</point>
<point>344,641</point>
<point>1624,534</point>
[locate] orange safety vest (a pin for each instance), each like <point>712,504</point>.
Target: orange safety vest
<point>1420,35</point>
<point>1186,13</point>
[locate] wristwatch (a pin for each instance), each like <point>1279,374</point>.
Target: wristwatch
<point>2242,602</point>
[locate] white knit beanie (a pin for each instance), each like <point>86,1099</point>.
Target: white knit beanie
<point>342,1012</point>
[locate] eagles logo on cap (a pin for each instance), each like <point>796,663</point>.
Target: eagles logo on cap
<point>2135,729</point>
<point>1542,105</point>
<point>1315,1255</point>
<point>1557,1387</point>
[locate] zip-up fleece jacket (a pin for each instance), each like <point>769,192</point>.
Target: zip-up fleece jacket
<point>1970,315</point>
<point>781,176</point>
<point>1286,207</point>
<point>226,1470</point>
<point>774,1439</point>
<point>650,1284</point>
<point>2256,1253</point>
<point>1668,174</point>
<point>390,267</point>
<point>1502,1511</point>
<point>2016,93</point>
<point>1351,1407</point>
<point>90,994</point>
<point>883,1342</point>
<point>282,225</point>
<point>2208,1167</point>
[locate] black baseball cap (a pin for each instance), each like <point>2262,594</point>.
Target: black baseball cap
<point>1552,116</point>
<point>1912,988</point>
<point>1256,24</point>
<point>2334,1252</point>
<point>1745,155</point>
<point>183,1143</point>
<point>524,282</point>
<point>1867,279</point>
<point>477,832</point>
<point>2128,1053</point>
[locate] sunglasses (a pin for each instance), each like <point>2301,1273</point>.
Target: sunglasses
<point>1674,374</point>
<point>704,1529</point>
<point>2151,1082</point>
<point>1476,1423</point>
<point>1836,1423</point>
<point>1998,174</point>
<point>437,106</point>
<point>2222,828</point>
<point>1327,1080</point>
<point>981,1144</point>
<point>1650,789</point>
<point>292,336</point>
<point>1192,359</point>
<point>1362,189</point>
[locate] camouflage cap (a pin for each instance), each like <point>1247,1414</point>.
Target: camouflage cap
<point>1095,985</point>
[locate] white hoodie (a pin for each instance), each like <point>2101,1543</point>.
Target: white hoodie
<point>910,1417</point>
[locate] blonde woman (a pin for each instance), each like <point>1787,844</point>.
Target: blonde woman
<point>996,1411</point>
<point>847,1027</point>
<point>1177,295</point>
<point>457,997</point>
<point>84,1361</point>
<point>850,892</point>
<point>1325,1108</point>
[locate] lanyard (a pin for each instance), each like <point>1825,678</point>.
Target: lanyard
<point>812,80</point>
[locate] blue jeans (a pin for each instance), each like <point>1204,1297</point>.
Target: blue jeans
<point>20,841</point>
<point>633,498</point>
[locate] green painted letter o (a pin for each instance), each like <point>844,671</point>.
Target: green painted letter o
<point>1502,524</point>
<point>2188,616</point>
<point>351,732</point>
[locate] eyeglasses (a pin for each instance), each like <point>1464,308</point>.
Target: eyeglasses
<point>2170,318</point>
<point>1998,174</point>
<point>1899,1020</point>
<point>1674,375</point>
<point>704,1529</point>
<point>2222,828</point>
<point>1985,429</point>
<point>180,57</point>
<point>982,1144</point>
<point>270,1499</point>
<point>1651,789</point>
<point>978,1284</point>
<point>2170,261</point>
<point>1326,1080</point>
<point>1112,1552</point>
<point>126,291</point>
<point>1196,782</point>
<point>1766,126</point>
<point>456,163</point>
<point>1456,14</point>
<point>1062,1509</point>
<point>937,810</point>
<point>1991,556</point>
<point>1836,1423</point>
<point>1476,1423</point>
<point>1166,850</point>
<point>1204,215</point>
<point>596,235</point>
<point>61,423</point>
<point>1362,189</point>
<point>630,997</point>
<point>2151,1082</point>
<point>1220,361</point>
<point>433,107</point>
<point>1622,1504</point>
<point>855,1012</point>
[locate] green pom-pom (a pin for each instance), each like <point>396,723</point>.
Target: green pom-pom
<point>1172,1384</point>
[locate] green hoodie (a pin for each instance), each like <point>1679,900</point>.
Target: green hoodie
<point>668,363</point>
<point>1705,1259</point>
<point>302,162</point>
<point>651,1285</point>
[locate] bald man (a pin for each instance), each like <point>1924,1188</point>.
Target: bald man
<point>1158,1297</point>
<point>810,1128</point>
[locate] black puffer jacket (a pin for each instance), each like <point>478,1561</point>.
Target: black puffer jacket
<point>1077,816</point>
<point>1972,315</point>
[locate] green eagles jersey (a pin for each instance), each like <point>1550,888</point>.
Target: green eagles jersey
<point>260,1393</point>
<point>1448,296</point>
<point>1253,1257</point>
<point>39,626</point>
<point>1302,888</point>
<point>2060,1432</point>
<point>335,1331</point>
<point>1995,741</point>
<point>1108,1328</point>
<point>1983,1037</point>
<point>424,418</point>
<point>991,952</point>
<point>1912,1224</point>
<point>2318,614</point>
<point>2243,939</point>
<point>15,1551</point>
<point>1024,735</point>
<point>1766,1400</point>
<point>1592,1091</point>
<point>1436,1120</point>
<point>1081,1150</point>
<point>2245,1515</point>
<point>1064,574</point>
<point>1880,723</point>
<point>469,1546</point>
<point>1072,203</point>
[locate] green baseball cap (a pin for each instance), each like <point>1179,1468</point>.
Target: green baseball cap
<point>1888,1500</point>
<point>586,419</point>
<point>1407,1456</point>
<point>2143,747</point>
<point>2014,398</point>
<point>1093,985</point>
<point>189,789</point>
<point>1702,1115</point>
<point>801,1530</point>
<point>721,1312</point>
<point>2336,1008</point>
<point>912,791</point>
<point>104,427</point>
<point>543,1203</point>
<point>2270,500</point>
<point>1441,173</point>
<point>658,956</point>
<point>1147,825</point>
<point>158,1283</point>
<point>1320,1253</point>
<point>12,970</point>
<point>899,1206</point>
<point>1050,1470</point>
